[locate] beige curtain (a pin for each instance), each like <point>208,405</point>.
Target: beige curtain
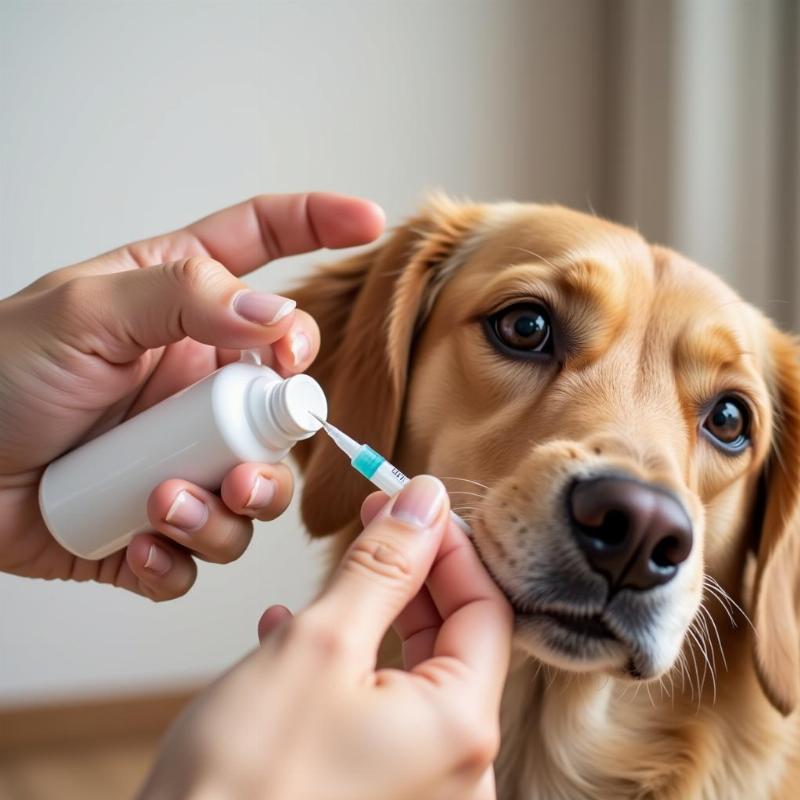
<point>701,137</point>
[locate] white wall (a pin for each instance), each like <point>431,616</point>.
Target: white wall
<point>122,119</point>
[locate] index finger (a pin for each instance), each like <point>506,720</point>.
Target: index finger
<point>477,619</point>
<point>246,236</point>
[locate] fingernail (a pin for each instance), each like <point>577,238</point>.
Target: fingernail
<point>262,307</point>
<point>158,560</point>
<point>419,501</point>
<point>300,348</point>
<point>262,492</point>
<point>379,211</point>
<point>187,512</point>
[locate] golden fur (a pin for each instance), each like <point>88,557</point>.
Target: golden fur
<point>709,710</point>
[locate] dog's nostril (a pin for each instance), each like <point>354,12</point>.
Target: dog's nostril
<point>613,530</point>
<point>667,553</point>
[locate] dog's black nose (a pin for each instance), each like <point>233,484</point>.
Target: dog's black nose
<point>635,534</point>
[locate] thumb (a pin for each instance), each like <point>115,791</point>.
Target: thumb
<point>135,310</point>
<point>386,566</point>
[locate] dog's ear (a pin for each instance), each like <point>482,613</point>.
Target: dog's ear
<point>368,309</point>
<point>776,590</point>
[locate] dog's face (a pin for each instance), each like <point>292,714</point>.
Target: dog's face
<point>603,412</point>
<point>611,398</point>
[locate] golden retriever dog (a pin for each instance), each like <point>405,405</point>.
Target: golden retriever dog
<point>622,432</point>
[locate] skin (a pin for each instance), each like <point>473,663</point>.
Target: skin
<point>90,345</point>
<point>312,695</point>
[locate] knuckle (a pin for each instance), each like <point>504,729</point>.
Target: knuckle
<point>318,638</point>
<point>73,293</point>
<point>380,558</point>
<point>52,280</point>
<point>480,745</point>
<point>197,272</point>
<point>229,542</point>
<point>72,305</point>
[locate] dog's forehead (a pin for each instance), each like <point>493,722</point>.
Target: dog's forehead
<point>703,307</point>
<point>511,233</point>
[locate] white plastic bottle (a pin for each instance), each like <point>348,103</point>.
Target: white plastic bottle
<point>94,498</point>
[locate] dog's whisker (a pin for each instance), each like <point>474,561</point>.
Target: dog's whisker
<point>685,675</point>
<point>566,684</point>
<point>682,665</point>
<point>714,586</point>
<point>649,696</point>
<point>709,644</point>
<point>705,636</point>
<point>707,668</point>
<point>677,669</point>
<point>628,688</point>
<point>691,682</point>
<point>663,688</point>
<point>672,688</point>
<point>460,491</point>
<point>723,601</point>
<point>466,480</point>
<point>696,670</point>
<point>714,625</point>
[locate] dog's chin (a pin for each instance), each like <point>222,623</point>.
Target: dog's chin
<point>582,644</point>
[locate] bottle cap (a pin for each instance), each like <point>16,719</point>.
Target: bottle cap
<point>295,405</point>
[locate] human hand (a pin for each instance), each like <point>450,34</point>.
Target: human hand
<point>309,717</point>
<point>87,346</point>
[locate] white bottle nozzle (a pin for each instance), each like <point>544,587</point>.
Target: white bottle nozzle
<point>299,406</point>
<point>284,412</point>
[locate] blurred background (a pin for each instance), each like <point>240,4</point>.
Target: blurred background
<point>124,119</point>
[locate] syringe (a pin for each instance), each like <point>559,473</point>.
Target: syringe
<point>374,467</point>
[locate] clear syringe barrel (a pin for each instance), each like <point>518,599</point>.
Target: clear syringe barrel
<point>374,467</point>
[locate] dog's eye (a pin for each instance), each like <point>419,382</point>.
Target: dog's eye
<point>524,327</point>
<point>728,423</point>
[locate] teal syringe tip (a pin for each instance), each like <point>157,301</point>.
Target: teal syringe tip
<point>362,456</point>
<point>367,461</point>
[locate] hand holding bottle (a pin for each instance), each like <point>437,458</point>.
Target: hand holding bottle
<point>90,345</point>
